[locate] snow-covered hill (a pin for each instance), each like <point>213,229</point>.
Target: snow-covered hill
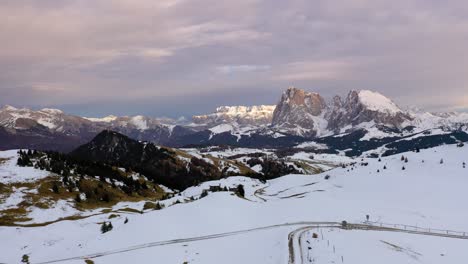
<point>424,189</point>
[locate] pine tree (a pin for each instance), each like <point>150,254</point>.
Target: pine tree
<point>441,161</point>
<point>55,188</point>
<point>106,227</point>
<point>402,158</point>
<point>25,259</point>
<point>406,159</point>
<point>78,198</point>
<point>240,190</point>
<point>403,168</point>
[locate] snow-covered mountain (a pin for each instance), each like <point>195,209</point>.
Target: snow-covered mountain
<point>299,116</point>
<point>53,119</point>
<point>242,115</point>
<point>53,129</point>
<point>308,114</point>
<point>300,112</point>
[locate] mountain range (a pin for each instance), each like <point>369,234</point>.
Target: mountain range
<point>298,117</point>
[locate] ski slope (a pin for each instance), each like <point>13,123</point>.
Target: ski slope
<point>427,194</point>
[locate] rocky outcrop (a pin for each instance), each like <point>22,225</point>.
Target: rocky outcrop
<point>299,109</point>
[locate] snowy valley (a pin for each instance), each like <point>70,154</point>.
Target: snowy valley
<point>295,218</point>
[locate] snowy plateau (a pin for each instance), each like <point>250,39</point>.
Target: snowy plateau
<point>405,208</point>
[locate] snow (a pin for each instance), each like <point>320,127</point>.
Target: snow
<point>9,108</point>
<point>52,111</point>
<point>106,119</point>
<point>426,195</point>
<point>140,122</point>
<point>258,115</point>
<point>56,211</point>
<point>13,199</point>
<point>47,123</point>
<point>378,102</point>
<point>10,173</point>
<point>380,247</point>
<point>221,128</point>
<point>243,110</point>
<point>312,144</point>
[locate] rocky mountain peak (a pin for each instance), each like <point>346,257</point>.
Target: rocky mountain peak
<point>8,108</point>
<point>366,106</point>
<point>242,115</point>
<point>297,97</point>
<point>298,109</point>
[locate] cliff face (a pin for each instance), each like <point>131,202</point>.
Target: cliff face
<point>310,115</point>
<point>298,108</point>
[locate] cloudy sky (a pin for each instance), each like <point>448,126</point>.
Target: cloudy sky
<point>178,57</point>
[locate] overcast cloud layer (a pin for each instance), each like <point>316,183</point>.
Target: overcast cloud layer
<point>177,57</point>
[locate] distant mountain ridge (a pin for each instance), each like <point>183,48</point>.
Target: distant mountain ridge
<point>298,116</point>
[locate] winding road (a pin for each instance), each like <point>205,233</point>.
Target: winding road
<point>294,238</point>
<point>296,255</point>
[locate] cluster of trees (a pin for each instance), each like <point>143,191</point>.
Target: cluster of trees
<point>239,190</point>
<point>74,171</point>
<point>272,168</point>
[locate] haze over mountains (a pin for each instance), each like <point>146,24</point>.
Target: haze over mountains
<point>298,116</point>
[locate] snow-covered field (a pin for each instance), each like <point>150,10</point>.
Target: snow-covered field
<point>427,193</point>
<point>10,173</point>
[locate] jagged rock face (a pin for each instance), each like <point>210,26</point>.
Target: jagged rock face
<point>298,108</point>
<point>365,106</point>
<point>242,115</point>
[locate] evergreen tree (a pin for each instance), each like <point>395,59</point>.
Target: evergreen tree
<point>441,161</point>
<point>78,198</point>
<point>25,259</point>
<point>55,188</point>
<point>106,227</point>
<point>240,190</point>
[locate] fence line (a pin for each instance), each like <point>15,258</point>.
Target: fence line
<point>419,229</point>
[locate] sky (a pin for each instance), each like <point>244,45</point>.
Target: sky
<point>184,57</point>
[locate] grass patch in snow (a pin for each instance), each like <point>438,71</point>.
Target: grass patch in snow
<point>40,195</point>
